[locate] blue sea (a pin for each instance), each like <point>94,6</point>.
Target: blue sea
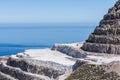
<point>15,38</point>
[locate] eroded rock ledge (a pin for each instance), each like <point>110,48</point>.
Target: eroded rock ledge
<point>101,48</point>
<point>73,51</point>
<point>49,69</point>
<point>30,69</point>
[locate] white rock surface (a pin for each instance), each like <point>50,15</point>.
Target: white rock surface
<point>58,57</point>
<point>61,58</point>
<point>76,45</point>
<point>103,59</point>
<point>49,55</point>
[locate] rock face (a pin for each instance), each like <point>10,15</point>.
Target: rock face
<point>18,74</point>
<point>30,69</point>
<point>71,51</point>
<point>49,69</point>
<point>106,36</point>
<point>113,67</point>
<point>5,77</point>
<point>78,64</point>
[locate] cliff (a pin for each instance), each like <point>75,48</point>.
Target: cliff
<point>106,36</point>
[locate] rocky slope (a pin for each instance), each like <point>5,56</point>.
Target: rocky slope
<point>93,66</point>
<point>106,36</point>
<point>49,69</point>
<point>31,69</point>
<point>92,72</point>
<point>87,71</point>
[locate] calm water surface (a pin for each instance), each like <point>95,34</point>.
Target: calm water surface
<point>17,39</point>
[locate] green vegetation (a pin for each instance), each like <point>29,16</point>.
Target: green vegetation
<point>92,72</point>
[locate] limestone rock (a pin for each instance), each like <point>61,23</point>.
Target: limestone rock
<point>106,36</point>
<point>71,51</point>
<point>17,73</point>
<point>113,67</point>
<point>49,69</point>
<point>5,77</point>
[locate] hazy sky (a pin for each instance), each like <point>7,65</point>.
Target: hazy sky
<point>53,11</point>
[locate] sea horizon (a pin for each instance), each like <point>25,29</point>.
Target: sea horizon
<point>18,39</point>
